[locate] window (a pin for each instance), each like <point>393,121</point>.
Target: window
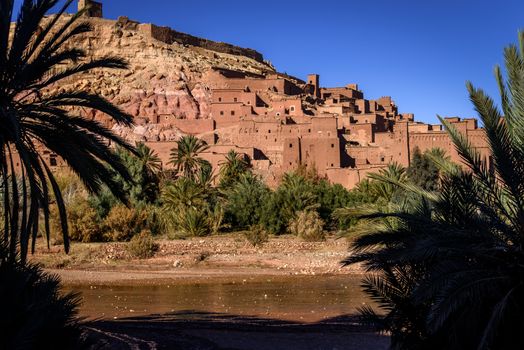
<point>290,145</point>
<point>220,99</point>
<point>248,102</point>
<point>308,130</point>
<point>221,112</point>
<point>269,131</point>
<point>332,165</point>
<point>382,159</point>
<point>232,112</point>
<point>292,108</point>
<point>235,99</point>
<point>52,161</point>
<point>332,145</point>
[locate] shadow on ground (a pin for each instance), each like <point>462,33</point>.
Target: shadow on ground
<point>194,330</point>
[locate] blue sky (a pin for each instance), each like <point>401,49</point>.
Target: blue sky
<point>419,52</point>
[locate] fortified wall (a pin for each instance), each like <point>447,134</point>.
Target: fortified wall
<point>169,36</point>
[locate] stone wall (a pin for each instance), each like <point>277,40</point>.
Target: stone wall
<point>170,36</point>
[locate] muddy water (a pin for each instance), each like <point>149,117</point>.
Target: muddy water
<point>293,298</point>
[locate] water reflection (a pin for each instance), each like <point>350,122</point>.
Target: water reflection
<point>294,298</point>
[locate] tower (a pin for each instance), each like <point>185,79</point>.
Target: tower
<point>94,8</point>
<point>314,81</point>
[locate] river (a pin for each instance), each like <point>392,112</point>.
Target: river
<point>290,298</point>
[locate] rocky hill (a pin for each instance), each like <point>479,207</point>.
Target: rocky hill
<point>169,72</point>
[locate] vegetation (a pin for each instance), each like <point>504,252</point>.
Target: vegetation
<point>232,168</point>
<point>423,170</point>
<point>35,314</point>
<point>30,65</point>
<point>36,115</point>
<point>448,269</point>
<point>143,245</point>
<point>256,235</point>
<point>307,225</point>
<point>185,157</point>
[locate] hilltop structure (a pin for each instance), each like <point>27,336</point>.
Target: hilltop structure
<point>232,99</point>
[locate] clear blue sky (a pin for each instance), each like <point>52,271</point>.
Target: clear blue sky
<point>419,52</point>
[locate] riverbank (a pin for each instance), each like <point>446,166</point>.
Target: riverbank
<point>229,256</point>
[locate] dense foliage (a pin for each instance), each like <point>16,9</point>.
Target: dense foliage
<point>449,267</point>
<point>35,315</point>
<point>34,114</point>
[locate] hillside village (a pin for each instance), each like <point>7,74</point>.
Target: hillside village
<point>231,98</point>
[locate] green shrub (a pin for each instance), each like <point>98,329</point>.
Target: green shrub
<point>244,200</point>
<point>256,235</point>
<point>272,217</point>
<point>122,223</point>
<point>35,315</point>
<point>143,245</point>
<point>307,225</point>
<point>84,224</point>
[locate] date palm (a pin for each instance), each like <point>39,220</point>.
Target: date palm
<point>185,157</point>
<point>232,167</point>
<point>462,248</point>
<point>34,116</point>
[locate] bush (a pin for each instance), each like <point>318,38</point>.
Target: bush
<point>257,236</point>
<point>84,224</point>
<point>34,313</point>
<point>143,245</point>
<point>307,225</point>
<point>272,217</point>
<point>122,223</point>
<point>244,200</point>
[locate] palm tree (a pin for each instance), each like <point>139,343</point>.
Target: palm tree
<point>33,61</point>
<point>459,253</point>
<point>232,168</point>
<point>148,159</point>
<point>185,156</point>
<point>384,189</point>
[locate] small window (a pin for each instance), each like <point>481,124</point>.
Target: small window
<point>221,112</point>
<point>308,130</point>
<point>232,112</point>
<point>332,145</point>
<point>52,161</point>
<point>290,163</point>
<point>248,102</point>
<point>290,145</point>
<point>332,165</point>
<point>220,99</point>
<point>292,108</point>
<point>235,99</point>
<point>269,131</point>
<point>382,159</point>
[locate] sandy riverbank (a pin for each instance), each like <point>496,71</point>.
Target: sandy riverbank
<point>226,256</point>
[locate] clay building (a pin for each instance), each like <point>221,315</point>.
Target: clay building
<point>232,99</point>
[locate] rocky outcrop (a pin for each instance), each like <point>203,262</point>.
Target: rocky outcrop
<point>165,77</point>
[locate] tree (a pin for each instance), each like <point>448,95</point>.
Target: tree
<point>244,199</point>
<point>34,117</point>
<point>185,156</point>
<point>459,252</point>
<point>144,167</point>
<point>385,190</point>
<point>423,171</point>
<point>232,168</point>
